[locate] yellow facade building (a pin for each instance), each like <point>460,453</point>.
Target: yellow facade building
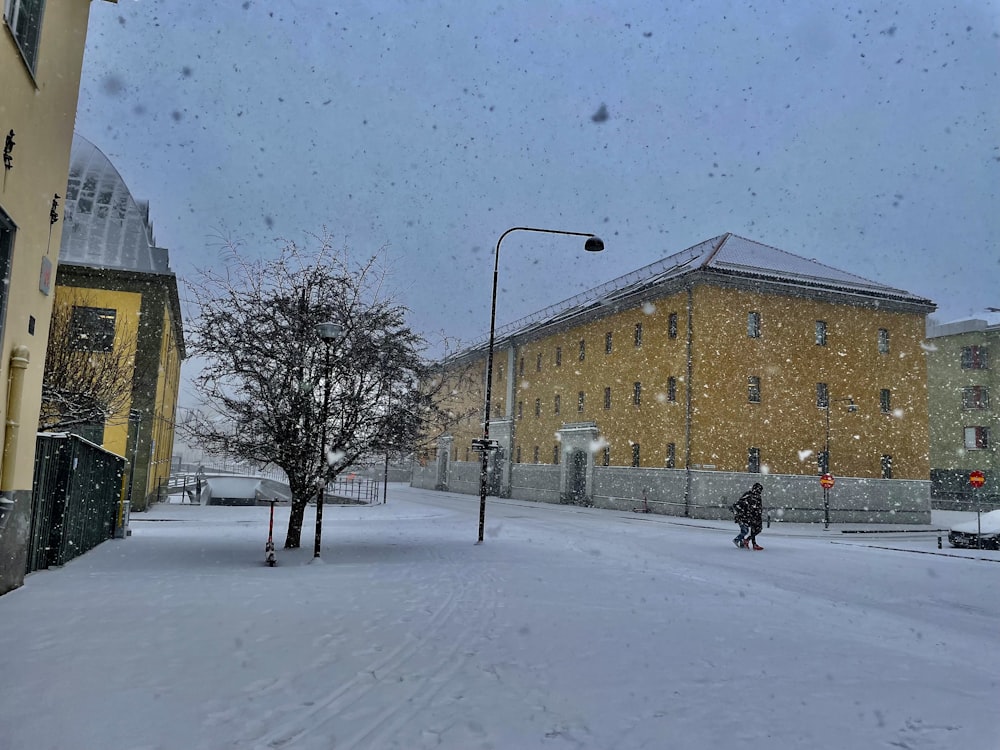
<point>41,56</point>
<point>113,275</point>
<point>726,360</point>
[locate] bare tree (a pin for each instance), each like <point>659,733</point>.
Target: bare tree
<point>88,379</point>
<point>268,374</point>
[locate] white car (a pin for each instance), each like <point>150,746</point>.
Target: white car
<point>983,533</point>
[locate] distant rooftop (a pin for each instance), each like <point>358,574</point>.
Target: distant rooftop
<point>725,255</point>
<point>103,225</point>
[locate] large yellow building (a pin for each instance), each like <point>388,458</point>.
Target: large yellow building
<point>41,55</point>
<point>115,277</point>
<point>726,360</point>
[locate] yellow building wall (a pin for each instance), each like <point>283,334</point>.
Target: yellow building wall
<point>41,110</point>
<point>167,388</point>
<point>127,306</point>
<point>787,425</point>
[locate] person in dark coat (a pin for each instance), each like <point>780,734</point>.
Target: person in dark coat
<point>748,512</point>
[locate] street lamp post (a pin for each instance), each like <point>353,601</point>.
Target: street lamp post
<point>852,407</point>
<point>593,244</point>
<point>329,333</point>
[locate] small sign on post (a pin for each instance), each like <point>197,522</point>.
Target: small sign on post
<point>977,479</point>
<point>826,481</point>
<point>481,445</point>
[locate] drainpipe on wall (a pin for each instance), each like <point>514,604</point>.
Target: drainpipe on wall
<point>687,406</point>
<point>19,358</point>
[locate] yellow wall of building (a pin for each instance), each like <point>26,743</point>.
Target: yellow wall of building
<point>787,425</point>
<point>41,110</point>
<point>167,388</point>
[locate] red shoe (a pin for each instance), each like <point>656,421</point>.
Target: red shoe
<point>757,546</point>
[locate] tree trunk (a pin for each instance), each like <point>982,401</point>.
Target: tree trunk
<point>293,539</point>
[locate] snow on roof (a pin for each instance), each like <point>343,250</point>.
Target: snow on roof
<point>725,255</point>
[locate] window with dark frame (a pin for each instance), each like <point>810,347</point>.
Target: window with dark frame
<point>520,410</point>
<point>517,453</point>
<point>672,325</point>
<point>977,438</point>
<point>671,388</point>
<point>538,407</point>
<point>606,456</point>
<point>535,455</point>
<point>976,397</point>
<point>607,343</point>
<point>538,363</point>
<point>520,367</point>
<point>753,387</point>
<point>753,324</point>
<point>975,358</point>
<point>753,461</point>
<point>635,454</point>
<point>638,334</point>
<point>583,349</point>
<point>579,401</point>
<point>823,462</point>
<point>607,398</point>
<point>883,340</point>
<point>671,458</point>
<point>558,356</point>
<point>637,393</point>
<point>555,454</point>
<point>886,466</point>
<point>92,329</point>
<point>557,403</point>
<point>24,19</point>
<point>820,333</point>
<point>885,401</point>
<point>822,396</point>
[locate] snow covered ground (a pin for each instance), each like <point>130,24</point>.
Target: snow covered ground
<point>568,628</point>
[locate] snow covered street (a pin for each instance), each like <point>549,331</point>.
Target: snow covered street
<point>568,628</point>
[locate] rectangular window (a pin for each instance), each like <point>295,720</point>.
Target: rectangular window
<point>92,329</point>
<point>583,350</point>
<point>520,367</point>
<point>579,401</point>
<point>24,18</point>
<point>607,398</point>
<point>520,409</point>
<point>883,340</point>
<point>671,459</point>
<point>500,373</point>
<point>820,333</point>
<point>753,387</point>
<point>672,325</point>
<point>823,462</point>
<point>975,358</point>
<point>822,396</point>
<point>538,407</point>
<point>671,389</point>
<point>555,454</point>
<point>558,356</point>
<point>753,324</point>
<point>976,397</point>
<point>607,343</point>
<point>637,393</point>
<point>535,455</point>
<point>753,461</point>
<point>517,453</point>
<point>635,454</point>
<point>557,403</point>
<point>638,334</point>
<point>885,400</point>
<point>606,456</point>
<point>886,466</point>
<point>977,438</point>
<point>538,363</point>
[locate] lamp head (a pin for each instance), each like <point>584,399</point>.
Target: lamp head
<point>851,406</point>
<point>330,331</point>
<point>593,244</point>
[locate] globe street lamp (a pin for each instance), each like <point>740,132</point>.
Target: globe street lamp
<point>825,468</point>
<point>593,244</point>
<point>329,333</point>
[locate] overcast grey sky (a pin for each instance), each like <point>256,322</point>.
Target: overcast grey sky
<point>865,135</point>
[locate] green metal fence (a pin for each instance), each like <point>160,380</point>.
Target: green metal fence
<point>76,497</point>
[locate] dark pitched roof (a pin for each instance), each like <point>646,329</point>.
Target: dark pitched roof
<point>727,256</point>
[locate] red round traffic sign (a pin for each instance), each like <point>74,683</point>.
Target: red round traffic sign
<point>977,478</point>
<point>827,481</point>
